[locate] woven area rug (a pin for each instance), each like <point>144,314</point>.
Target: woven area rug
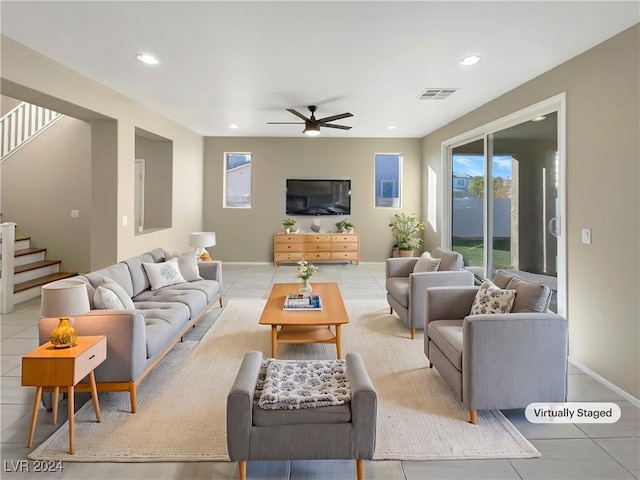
<point>182,403</point>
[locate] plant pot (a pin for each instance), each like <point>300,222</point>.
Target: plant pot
<point>405,253</point>
<point>287,230</point>
<point>350,230</point>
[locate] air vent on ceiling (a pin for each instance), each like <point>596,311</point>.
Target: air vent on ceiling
<point>436,93</point>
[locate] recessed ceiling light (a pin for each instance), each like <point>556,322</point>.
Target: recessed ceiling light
<point>539,119</point>
<point>391,127</point>
<point>233,126</point>
<point>147,58</point>
<point>469,60</point>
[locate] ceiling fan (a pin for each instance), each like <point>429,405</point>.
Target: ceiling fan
<point>312,125</point>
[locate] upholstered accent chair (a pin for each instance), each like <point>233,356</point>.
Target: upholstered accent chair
<point>406,287</point>
<point>498,360</point>
<point>345,431</point>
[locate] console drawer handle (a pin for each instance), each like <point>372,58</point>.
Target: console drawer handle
<point>92,357</point>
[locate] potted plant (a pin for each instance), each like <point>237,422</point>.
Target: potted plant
<point>345,226</point>
<point>404,229</point>
<point>287,223</point>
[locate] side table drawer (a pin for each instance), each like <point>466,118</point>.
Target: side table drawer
<point>90,359</point>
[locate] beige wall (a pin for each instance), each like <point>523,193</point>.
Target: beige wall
<point>602,91</point>
<point>247,234</point>
<point>42,182</point>
<point>29,76</point>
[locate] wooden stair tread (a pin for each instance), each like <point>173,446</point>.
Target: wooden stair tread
<point>35,265</point>
<point>37,282</point>
<point>28,251</point>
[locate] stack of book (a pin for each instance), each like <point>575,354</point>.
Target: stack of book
<point>300,302</point>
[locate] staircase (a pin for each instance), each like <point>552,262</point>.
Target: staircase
<point>31,270</point>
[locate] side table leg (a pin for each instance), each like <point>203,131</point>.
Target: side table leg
<point>94,396</point>
<point>70,402</point>
<point>339,341</point>
<point>34,415</point>
<point>274,340</point>
<point>56,394</point>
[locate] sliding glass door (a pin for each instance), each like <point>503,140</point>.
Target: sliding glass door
<point>505,190</point>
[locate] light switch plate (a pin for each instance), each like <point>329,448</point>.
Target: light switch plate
<point>125,221</point>
<point>75,213</point>
<point>586,235</point>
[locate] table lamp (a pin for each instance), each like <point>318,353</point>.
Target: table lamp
<point>202,240</point>
<point>63,299</point>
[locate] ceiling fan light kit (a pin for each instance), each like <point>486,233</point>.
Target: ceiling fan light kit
<point>312,125</point>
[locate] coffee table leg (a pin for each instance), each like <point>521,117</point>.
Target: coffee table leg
<point>274,340</point>
<point>339,341</point>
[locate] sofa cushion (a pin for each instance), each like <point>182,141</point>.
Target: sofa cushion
<point>492,299</point>
<point>447,335</point>
<point>105,299</point>
<point>449,260</point>
<point>530,296</point>
<point>426,263</point>
<point>125,299</point>
<point>193,298</point>
<point>174,313</point>
<point>211,288</point>
<point>163,274</point>
<point>398,288</point>
<point>118,272</point>
<point>139,279</point>
<point>188,265</point>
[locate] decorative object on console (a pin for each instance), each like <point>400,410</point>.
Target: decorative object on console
<point>63,299</point>
<point>345,226</point>
<point>202,240</point>
<point>287,223</point>
<point>404,229</point>
<point>305,272</point>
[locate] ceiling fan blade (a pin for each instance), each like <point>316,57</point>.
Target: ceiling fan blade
<point>297,114</point>
<point>285,123</point>
<point>330,125</point>
<point>335,117</point>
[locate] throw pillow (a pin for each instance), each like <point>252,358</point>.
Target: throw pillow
<point>188,265</point>
<point>115,287</point>
<point>105,299</point>
<point>163,274</point>
<point>426,263</point>
<point>491,299</point>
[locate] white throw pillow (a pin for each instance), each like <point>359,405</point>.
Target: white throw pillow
<point>426,263</point>
<point>163,274</point>
<point>105,299</point>
<point>188,265</point>
<point>491,299</point>
<point>122,295</point>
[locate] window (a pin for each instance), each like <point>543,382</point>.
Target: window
<point>387,179</point>
<point>237,180</point>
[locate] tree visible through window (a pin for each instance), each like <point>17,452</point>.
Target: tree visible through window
<point>237,180</point>
<point>387,178</point>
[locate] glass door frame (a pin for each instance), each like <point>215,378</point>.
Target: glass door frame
<point>557,104</point>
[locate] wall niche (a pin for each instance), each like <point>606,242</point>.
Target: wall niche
<point>153,182</point>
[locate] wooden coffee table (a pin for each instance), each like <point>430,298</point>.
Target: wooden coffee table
<point>299,326</point>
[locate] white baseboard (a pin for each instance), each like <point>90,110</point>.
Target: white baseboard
<point>627,396</point>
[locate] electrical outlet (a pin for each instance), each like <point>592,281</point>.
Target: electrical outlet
<point>75,213</point>
<point>586,235</point>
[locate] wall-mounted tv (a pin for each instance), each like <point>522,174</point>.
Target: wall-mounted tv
<point>318,197</point>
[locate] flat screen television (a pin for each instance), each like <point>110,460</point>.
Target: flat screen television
<point>318,197</point>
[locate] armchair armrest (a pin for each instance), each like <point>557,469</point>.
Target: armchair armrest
<point>364,407</point>
<point>240,406</point>
<point>513,359</point>
<point>126,341</point>
<point>400,266</point>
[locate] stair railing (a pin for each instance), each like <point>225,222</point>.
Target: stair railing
<point>7,247</point>
<point>21,124</point>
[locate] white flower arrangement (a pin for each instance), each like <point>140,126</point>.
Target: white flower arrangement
<point>306,270</point>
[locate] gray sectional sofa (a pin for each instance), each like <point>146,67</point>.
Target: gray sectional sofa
<point>138,338</point>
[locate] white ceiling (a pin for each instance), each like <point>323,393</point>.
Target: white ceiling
<point>244,62</point>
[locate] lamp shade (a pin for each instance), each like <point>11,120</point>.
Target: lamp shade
<point>64,298</point>
<point>202,239</point>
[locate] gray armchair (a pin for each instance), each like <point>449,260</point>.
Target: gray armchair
<point>406,290</point>
<point>498,361</point>
<point>334,432</point>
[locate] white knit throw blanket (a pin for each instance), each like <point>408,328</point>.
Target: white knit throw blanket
<point>295,384</point>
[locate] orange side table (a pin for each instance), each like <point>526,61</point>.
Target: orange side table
<point>49,367</point>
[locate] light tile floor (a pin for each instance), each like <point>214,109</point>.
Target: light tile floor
<point>580,451</point>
